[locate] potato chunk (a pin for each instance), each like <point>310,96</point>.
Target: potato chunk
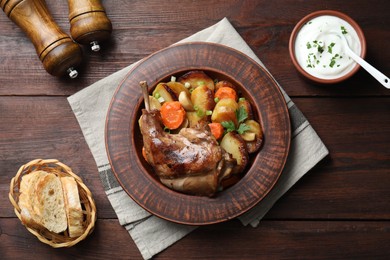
<point>163,91</point>
<point>225,110</point>
<point>154,103</point>
<point>203,99</point>
<point>246,106</point>
<point>236,146</point>
<point>254,128</point>
<point>177,88</point>
<point>197,78</point>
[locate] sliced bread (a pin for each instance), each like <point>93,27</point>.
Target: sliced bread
<point>28,214</point>
<point>51,203</point>
<point>73,207</point>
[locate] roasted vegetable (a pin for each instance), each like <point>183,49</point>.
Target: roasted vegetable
<point>253,136</point>
<point>197,78</point>
<point>225,110</point>
<point>242,102</point>
<point>224,83</point>
<point>236,146</point>
<point>163,93</point>
<point>225,92</point>
<point>217,130</point>
<point>172,114</point>
<point>154,103</point>
<point>185,101</point>
<point>203,100</point>
<point>177,88</point>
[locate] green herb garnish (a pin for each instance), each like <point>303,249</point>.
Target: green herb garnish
<point>343,30</point>
<point>201,83</point>
<point>229,126</point>
<point>241,116</point>
<point>330,47</point>
<point>166,129</point>
<point>333,60</point>
<point>242,128</point>
<point>199,112</point>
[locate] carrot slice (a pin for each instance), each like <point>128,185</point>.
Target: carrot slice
<point>216,129</point>
<point>172,114</point>
<point>144,153</point>
<point>226,92</point>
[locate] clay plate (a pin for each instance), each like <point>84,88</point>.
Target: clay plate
<point>124,141</point>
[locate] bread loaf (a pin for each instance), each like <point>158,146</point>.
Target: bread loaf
<point>73,207</point>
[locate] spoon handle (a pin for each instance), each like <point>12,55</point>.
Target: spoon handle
<point>382,78</point>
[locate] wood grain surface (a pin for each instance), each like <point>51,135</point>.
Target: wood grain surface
<point>339,210</point>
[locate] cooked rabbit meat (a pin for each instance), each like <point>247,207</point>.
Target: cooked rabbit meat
<point>190,161</point>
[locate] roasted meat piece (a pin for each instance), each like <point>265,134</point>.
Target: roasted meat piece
<point>190,161</point>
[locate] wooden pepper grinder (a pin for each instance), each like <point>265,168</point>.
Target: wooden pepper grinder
<point>56,50</point>
<point>88,22</point>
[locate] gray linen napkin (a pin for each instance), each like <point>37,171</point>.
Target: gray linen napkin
<point>150,233</point>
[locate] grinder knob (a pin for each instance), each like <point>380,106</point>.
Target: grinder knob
<point>89,23</point>
<point>56,50</point>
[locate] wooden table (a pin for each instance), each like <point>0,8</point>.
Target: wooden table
<point>340,209</point>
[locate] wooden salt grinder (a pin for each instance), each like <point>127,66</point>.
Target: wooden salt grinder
<point>88,22</point>
<point>56,50</point>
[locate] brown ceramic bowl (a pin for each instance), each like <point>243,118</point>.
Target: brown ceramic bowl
<point>306,20</point>
<point>124,140</point>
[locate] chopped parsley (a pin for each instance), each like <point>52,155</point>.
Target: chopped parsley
<point>242,128</point>
<point>320,49</point>
<point>330,47</point>
<point>229,126</point>
<point>313,60</point>
<point>333,60</point>
<point>343,30</point>
<point>241,116</point>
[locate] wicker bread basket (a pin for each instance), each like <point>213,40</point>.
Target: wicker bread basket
<point>87,203</point>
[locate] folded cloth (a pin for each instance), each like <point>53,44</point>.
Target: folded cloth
<point>150,233</point>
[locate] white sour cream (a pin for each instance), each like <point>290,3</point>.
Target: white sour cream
<point>319,50</point>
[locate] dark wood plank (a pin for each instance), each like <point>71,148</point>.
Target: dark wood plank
<point>352,183</point>
<point>108,241</point>
<point>357,134</point>
<point>264,27</point>
<point>272,239</point>
<point>281,240</point>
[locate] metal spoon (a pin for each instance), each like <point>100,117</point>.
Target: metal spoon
<point>385,81</point>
